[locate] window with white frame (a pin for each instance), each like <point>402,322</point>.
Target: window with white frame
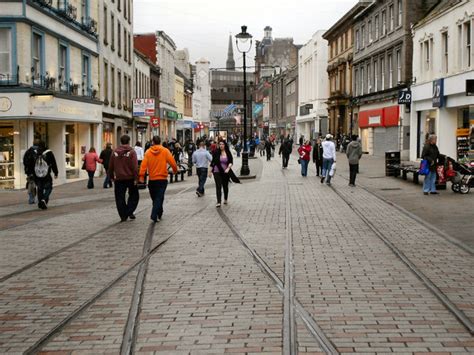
<point>6,66</point>
<point>376,75</point>
<point>384,23</point>
<point>357,40</point>
<point>427,55</point>
<point>86,75</point>
<point>390,71</point>
<point>376,25</point>
<point>106,25</point>
<point>119,41</point>
<point>362,35</point>
<point>356,82</point>
<point>400,12</point>
<point>467,45</point>
<point>382,73</point>
<point>37,57</point>
<point>112,85</point>
<point>106,81</point>
<point>119,89</point>
<point>445,51</point>
<point>391,15</point>
<point>369,82</point>
<point>399,66</point>
<point>369,28</point>
<point>63,74</point>
<point>112,30</point>
<point>362,80</point>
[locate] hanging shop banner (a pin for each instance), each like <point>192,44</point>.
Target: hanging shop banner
<point>154,121</point>
<point>438,93</point>
<point>404,97</point>
<point>143,107</point>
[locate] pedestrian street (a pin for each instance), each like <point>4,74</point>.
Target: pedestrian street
<point>288,266</point>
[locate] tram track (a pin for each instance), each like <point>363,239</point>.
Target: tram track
<point>130,330</point>
<point>428,283</point>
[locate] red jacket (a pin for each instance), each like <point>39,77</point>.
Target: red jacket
<point>91,160</point>
<point>304,152</point>
<point>123,164</point>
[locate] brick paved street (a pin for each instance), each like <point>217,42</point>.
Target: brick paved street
<point>214,281</point>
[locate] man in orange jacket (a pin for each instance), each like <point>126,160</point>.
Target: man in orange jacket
<point>156,161</point>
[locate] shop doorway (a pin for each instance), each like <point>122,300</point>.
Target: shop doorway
<point>72,170</point>
<point>7,157</point>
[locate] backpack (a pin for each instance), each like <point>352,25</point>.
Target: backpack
<point>41,166</point>
<point>29,160</point>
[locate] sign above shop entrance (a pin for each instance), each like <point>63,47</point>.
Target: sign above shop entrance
<point>143,107</point>
<point>404,97</point>
<point>438,93</point>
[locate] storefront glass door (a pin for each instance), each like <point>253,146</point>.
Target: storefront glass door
<point>72,170</point>
<point>7,157</point>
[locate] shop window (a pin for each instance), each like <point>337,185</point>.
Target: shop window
<point>40,131</point>
<point>7,157</point>
<point>63,66</point>
<point>7,52</point>
<point>71,153</point>
<point>86,75</point>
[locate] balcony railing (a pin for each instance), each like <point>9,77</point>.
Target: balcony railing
<point>9,79</point>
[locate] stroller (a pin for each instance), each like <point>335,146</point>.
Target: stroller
<point>460,175</point>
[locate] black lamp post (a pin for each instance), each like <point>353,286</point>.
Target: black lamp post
<point>244,45</point>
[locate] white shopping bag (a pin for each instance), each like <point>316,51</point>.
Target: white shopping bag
<point>333,169</point>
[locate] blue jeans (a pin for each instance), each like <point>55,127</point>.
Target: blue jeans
<point>327,163</point>
<point>429,184</point>
<point>304,167</point>
<point>157,189</point>
<point>202,175</point>
<point>107,181</point>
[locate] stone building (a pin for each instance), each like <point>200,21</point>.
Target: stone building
<point>382,67</point>
<point>340,39</point>
<point>201,96</point>
<point>443,59</point>
<point>49,84</point>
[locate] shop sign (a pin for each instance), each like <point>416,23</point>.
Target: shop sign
<point>438,93</point>
<point>143,107</point>
<point>404,97</point>
<point>374,120</point>
<point>171,114</point>
<point>469,88</point>
<point>5,104</point>
<point>154,121</point>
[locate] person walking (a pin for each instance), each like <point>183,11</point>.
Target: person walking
<point>268,149</point>
<point>285,152</point>
<point>354,153</point>
<point>201,158</point>
<point>305,153</point>
<point>318,156</point>
<point>221,165</point>
<point>29,160</point>
<point>329,158</point>
<point>90,160</point>
<point>105,157</point>
<point>45,164</point>
<point>123,171</point>
<point>156,162</point>
<point>430,152</point>
<point>140,152</point>
<point>190,149</point>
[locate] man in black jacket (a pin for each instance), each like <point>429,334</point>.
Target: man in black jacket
<point>105,157</point>
<point>45,164</point>
<point>29,160</point>
<point>285,152</point>
<point>431,154</point>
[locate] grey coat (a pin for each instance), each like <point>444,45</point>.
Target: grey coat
<point>354,152</point>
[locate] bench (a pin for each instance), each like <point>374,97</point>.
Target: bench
<point>182,168</point>
<point>404,170</point>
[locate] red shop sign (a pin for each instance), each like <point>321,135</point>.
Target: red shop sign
<point>154,121</point>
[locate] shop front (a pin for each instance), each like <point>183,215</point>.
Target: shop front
<point>69,128</point>
<point>379,129</point>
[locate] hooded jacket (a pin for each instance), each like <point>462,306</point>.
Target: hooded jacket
<point>156,161</point>
<point>354,152</point>
<point>123,164</point>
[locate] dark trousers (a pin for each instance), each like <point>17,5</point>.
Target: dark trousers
<point>202,175</point>
<point>353,170</point>
<point>157,189</point>
<point>126,208</point>
<point>222,183</point>
<point>90,182</point>
<point>269,154</point>
<point>107,181</point>
<point>319,167</point>
<point>286,159</point>
<point>44,187</point>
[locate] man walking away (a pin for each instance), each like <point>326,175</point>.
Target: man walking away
<point>201,158</point>
<point>140,153</point>
<point>156,162</point>
<point>123,170</point>
<point>354,153</point>
<point>29,160</point>
<point>190,149</point>
<point>45,164</point>
<point>268,149</point>
<point>329,157</point>
<point>285,152</point>
<point>318,156</point>
<point>105,157</point>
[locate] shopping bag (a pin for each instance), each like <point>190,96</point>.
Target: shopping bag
<point>333,169</point>
<point>424,167</point>
<point>441,174</point>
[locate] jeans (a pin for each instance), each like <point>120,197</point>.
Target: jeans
<point>285,158</point>
<point>90,182</point>
<point>44,187</point>
<point>107,181</point>
<point>126,208</point>
<point>353,169</point>
<point>157,189</point>
<point>304,167</point>
<point>222,183</point>
<point>429,184</point>
<point>327,163</point>
<point>202,175</point>
<point>31,187</point>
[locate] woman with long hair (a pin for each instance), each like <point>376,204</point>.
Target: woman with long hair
<point>221,165</point>
<point>90,164</point>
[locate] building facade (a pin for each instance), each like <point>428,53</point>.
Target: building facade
<point>201,97</point>
<point>340,39</point>
<point>141,90</point>
<point>116,67</point>
<point>443,62</point>
<point>382,68</point>
<point>49,83</point>
<point>313,88</point>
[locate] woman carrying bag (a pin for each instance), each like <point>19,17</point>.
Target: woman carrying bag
<point>222,162</point>
<point>90,165</point>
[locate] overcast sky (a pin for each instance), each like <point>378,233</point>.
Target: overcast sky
<point>204,26</point>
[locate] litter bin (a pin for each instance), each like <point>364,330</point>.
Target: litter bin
<point>392,160</point>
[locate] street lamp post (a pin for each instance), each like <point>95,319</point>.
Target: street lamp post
<point>244,45</point>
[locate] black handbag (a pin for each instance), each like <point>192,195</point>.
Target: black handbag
<point>83,165</point>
